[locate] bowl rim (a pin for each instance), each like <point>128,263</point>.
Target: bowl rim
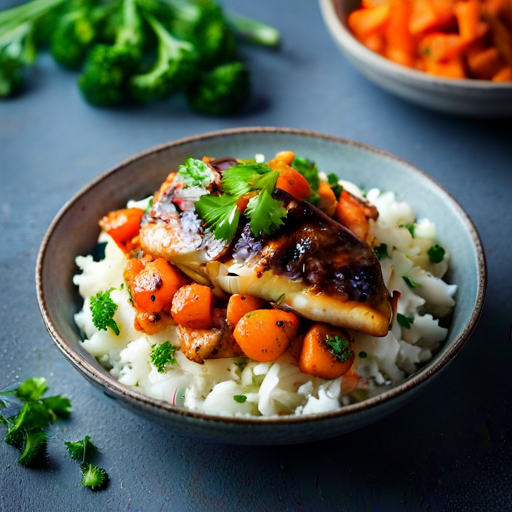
<point>158,407</point>
<point>331,13</point>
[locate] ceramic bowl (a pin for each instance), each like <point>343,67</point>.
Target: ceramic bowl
<point>75,230</point>
<point>475,98</point>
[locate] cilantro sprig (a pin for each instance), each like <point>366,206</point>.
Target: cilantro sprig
<point>221,213</point>
<point>103,309</point>
<point>339,348</point>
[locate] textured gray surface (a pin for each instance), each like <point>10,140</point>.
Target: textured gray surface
<point>451,449</point>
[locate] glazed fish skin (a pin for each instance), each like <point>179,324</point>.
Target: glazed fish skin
<point>316,267</point>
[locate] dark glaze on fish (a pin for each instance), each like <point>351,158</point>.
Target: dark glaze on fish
<point>312,246</point>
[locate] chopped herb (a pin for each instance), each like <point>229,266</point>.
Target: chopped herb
<point>242,363</point>
<point>381,251</point>
<point>81,449</point>
<point>410,227</point>
<point>242,179</point>
<point>332,179</point>
<point>195,173</point>
<point>150,204</point>
<point>162,355</point>
<point>363,355</point>
<point>103,309</point>
<point>404,321</point>
<point>436,253</point>
<point>309,170</point>
<point>411,283</point>
<point>337,189</point>
<point>94,477</point>
<point>339,348</point>
<point>240,399</point>
<point>265,213</point>
<point>313,199</point>
<point>220,213</point>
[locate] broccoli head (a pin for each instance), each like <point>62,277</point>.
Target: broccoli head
<point>174,69</point>
<point>11,75</point>
<point>106,73</point>
<point>222,91</point>
<point>73,37</point>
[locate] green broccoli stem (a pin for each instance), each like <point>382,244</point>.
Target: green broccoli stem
<point>166,40</point>
<point>129,34</point>
<point>253,31</point>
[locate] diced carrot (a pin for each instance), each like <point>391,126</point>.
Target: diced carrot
<point>317,357</point>
<point>350,381</point>
<point>208,159</point>
<point>442,47</point>
<point>265,334</point>
<point>401,46</point>
<point>503,75</point>
<point>327,202</point>
<point>133,267</point>
<point>241,304</point>
<point>428,15</point>
<point>151,323</point>
<point>123,226</point>
<point>375,42</point>
<point>502,38</point>
<point>192,306</point>
<point>453,68</point>
<point>285,156</point>
<point>486,64</point>
<point>373,3</point>
<point>154,287</point>
<point>354,214</point>
<point>468,18</point>
<point>291,180</point>
<point>365,22</point>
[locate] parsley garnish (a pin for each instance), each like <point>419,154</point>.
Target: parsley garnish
<point>195,173</point>
<point>411,283</point>
<point>240,399</point>
<point>436,253</point>
<point>309,170</point>
<point>381,251</point>
<point>404,321</point>
<point>363,354</point>
<point>103,309</point>
<point>221,213</point>
<point>339,348</point>
<point>81,449</point>
<point>162,355</point>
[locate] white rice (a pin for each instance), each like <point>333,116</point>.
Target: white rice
<point>279,387</point>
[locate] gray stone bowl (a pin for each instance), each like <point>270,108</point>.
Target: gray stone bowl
<point>474,98</point>
<point>74,231</point>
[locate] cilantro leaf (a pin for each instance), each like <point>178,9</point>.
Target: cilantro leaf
<point>242,179</point>
<point>381,251</point>
<point>195,173</point>
<point>94,477</point>
<point>162,355</point>
<point>339,348</point>
<point>309,170</point>
<point>103,309</point>
<point>34,442</point>
<point>410,283</point>
<point>58,406</point>
<point>32,389</point>
<point>240,399</point>
<point>404,321</point>
<point>81,449</point>
<point>265,213</point>
<point>220,213</point>
<point>436,253</point>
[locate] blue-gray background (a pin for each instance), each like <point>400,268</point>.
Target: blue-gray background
<point>451,449</point>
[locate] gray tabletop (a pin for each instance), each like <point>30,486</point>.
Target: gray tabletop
<point>450,449</point>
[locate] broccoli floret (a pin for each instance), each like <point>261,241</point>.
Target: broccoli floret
<point>222,91</point>
<point>11,75</point>
<point>108,69</point>
<point>173,70</point>
<point>203,23</point>
<point>94,477</point>
<point>254,32</point>
<point>74,35</point>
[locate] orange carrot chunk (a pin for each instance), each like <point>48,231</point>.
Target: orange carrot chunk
<point>350,381</point>
<point>354,214</point>
<point>264,334</point>
<point>468,18</point>
<point>291,180</point>
<point>326,352</point>
<point>451,69</point>
<point>442,47</point>
<point>285,156</point>
<point>401,46</point>
<point>327,201</point>
<point>486,64</point>
<point>154,287</point>
<point>365,22</point>
<point>503,75</point>
<point>241,304</point>
<point>123,226</point>
<point>192,306</point>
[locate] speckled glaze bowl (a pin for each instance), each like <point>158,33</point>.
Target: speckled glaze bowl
<point>75,230</point>
<point>475,98</point>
